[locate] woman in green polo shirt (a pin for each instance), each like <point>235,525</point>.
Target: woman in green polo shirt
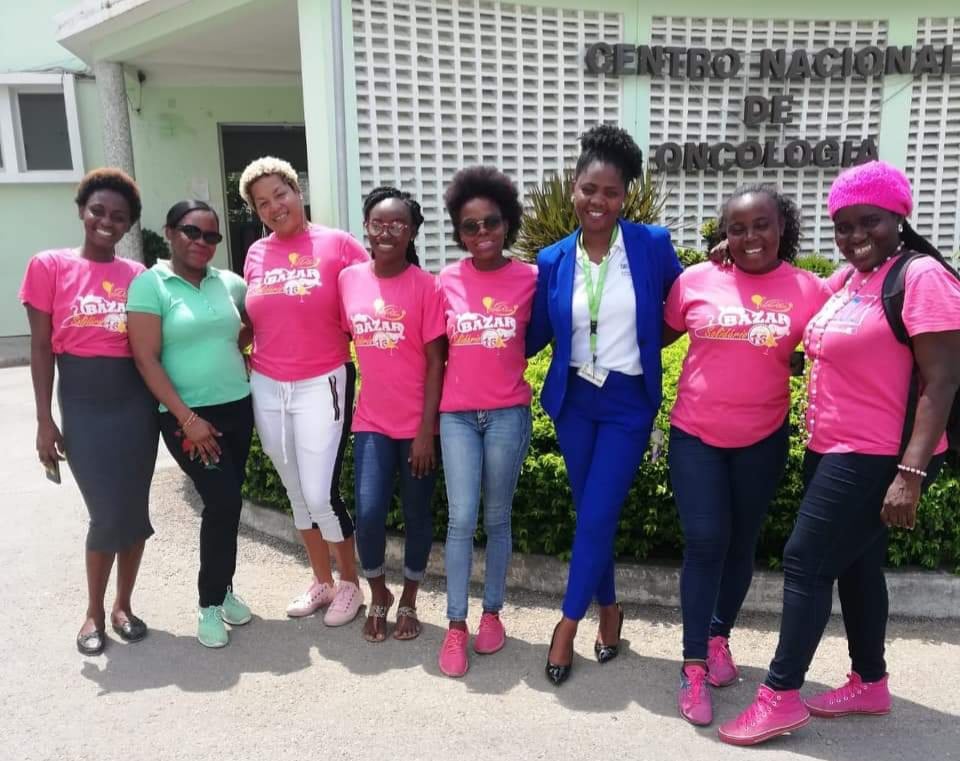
<point>184,320</point>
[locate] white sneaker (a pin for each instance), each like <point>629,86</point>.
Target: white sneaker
<point>312,600</point>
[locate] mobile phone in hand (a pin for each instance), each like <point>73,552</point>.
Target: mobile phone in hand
<point>53,471</point>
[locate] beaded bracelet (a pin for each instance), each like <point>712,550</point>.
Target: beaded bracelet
<point>915,471</point>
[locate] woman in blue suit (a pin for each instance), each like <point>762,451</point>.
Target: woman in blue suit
<point>599,298</point>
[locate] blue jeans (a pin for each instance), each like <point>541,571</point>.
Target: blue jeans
<point>377,461</point>
<point>839,537</point>
<point>602,434</point>
<point>722,497</point>
<point>482,453</point>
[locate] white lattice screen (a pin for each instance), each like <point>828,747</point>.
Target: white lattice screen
<point>711,111</point>
<point>933,153</point>
<point>443,84</point>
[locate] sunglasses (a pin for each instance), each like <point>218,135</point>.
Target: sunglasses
<point>195,233</point>
<point>394,228</point>
<point>472,227</point>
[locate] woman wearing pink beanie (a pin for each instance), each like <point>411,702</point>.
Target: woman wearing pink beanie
<point>870,452</point>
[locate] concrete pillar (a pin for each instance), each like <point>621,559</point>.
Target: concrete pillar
<point>117,140</point>
<point>321,71</point>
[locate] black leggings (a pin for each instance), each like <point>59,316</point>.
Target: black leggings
<point>839,537</point>
<point>218,485</point>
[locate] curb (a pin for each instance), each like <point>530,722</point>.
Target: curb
<point>915,594</point>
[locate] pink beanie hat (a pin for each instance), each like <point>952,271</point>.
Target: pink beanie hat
<point>876,183</point>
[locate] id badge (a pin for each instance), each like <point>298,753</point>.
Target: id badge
<point>593,374</point>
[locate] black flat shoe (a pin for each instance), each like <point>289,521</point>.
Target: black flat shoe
<point>92,643</point>
<point>606,653</point>
<point>131,630</point>
<point>555,673</point>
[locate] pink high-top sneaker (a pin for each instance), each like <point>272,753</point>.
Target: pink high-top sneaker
<point>721,670</point>
<point>856,696</point>
<point>772,713</point>
<point>693,700</point>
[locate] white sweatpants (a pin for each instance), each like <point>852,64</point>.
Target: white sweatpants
<point>303,427</point>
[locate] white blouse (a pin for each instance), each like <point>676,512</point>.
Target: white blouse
<point>617,348</point>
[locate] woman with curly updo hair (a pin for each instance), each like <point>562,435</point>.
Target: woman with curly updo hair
<point>485,406</point>
<point>302,379</point>
<point>76,302</point>
<point>730,425</point>
<point>599,298</point>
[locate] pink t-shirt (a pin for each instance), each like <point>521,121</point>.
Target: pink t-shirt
<point>860,375</point>
<point>734,387</point>
<point>294,304</point>
<point>86,300</point>
<point>391,320</point>
<point>487,314</point>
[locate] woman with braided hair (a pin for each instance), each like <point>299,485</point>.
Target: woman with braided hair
<point>394,312</point>
<point>599,299</point>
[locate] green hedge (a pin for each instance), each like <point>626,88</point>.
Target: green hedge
<point>543,518</point>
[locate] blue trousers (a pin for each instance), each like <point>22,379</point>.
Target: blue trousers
<point>378,462</point>
<point>722,498</point>
<point>602,433</point>
<point>840,537</point>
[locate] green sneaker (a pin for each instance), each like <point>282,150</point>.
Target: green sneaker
<point>210,629</point>
<point>233,610</point>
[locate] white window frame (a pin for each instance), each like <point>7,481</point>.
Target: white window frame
<point>14,169</point>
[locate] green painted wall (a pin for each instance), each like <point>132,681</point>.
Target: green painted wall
<point>176,141</point>
<point>38,216</point>
<point>28,36</point>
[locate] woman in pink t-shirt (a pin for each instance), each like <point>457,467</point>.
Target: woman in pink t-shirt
<point>302,379</point>
<point>76,303</point>
<point>866,464</point>
<point>485,409</point>
<point>394,311</point>
<point>730,430</point>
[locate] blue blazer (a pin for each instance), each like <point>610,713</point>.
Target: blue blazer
<point>653,268</point>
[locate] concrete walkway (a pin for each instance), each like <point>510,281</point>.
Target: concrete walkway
<point>294,689</point>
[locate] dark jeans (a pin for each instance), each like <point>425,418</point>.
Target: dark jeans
<point>219,488</point>
<point>722,497</point>
<point>838,536</point>
<point>378,462</point>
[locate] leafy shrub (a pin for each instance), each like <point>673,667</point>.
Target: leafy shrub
<point>550,214</point>
<point>154,247</point>
<point>710,232</point>
<point>543,517</point>
<point>816,263</point>
<point>690,256</point>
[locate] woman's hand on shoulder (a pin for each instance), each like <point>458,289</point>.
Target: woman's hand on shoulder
<point>720,254</point>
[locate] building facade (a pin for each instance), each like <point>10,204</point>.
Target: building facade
<point>406,92</point>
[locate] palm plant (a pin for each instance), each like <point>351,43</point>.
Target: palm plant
<point>549,215</point>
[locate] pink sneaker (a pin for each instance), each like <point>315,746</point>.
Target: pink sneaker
<point>453,653</point>
<point>316,597</point>
<point>345,606</point>
<point>491,635</point>
<point>721,670</point>
<point>772,713</point>
<point>856,696</point>
<point>694,699</point>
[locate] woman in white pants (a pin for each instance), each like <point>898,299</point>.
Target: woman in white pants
<point>302,378</point>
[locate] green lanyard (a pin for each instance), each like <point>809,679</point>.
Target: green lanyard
<point>594,294</point>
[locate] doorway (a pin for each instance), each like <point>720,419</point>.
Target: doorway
<point>239,145</point>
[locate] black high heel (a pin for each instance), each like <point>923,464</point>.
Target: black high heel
<point>555,673</point>
<point>606,653</point>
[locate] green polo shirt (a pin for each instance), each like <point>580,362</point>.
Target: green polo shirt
<point>200,329</point>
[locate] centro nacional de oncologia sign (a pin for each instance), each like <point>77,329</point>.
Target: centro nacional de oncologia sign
<point>702,64</point>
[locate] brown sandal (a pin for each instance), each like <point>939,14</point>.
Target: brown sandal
<point>405,611</point>
<point>378,612</point>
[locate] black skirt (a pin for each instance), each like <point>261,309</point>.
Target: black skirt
<point>110,431</point>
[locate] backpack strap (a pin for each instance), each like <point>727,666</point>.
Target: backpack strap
<point>892,296</point>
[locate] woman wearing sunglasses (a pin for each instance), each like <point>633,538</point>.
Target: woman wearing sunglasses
<point>394,311</point>
<point>485,405</point>
<point>185,318</point>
